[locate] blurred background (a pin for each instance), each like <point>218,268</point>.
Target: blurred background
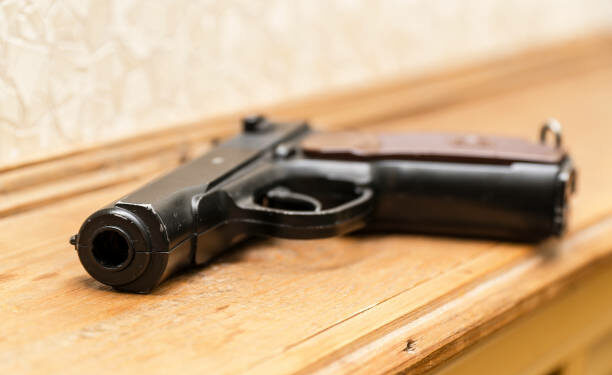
<point>73,73</point>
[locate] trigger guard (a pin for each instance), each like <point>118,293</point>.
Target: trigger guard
<point>349,216</point>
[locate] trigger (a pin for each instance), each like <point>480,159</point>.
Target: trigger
<point>283,198</point>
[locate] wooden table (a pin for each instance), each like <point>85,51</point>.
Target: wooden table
<point>355,304</point>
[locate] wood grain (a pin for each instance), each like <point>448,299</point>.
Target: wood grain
<point>400,98</point>
<point>342,305</point>
<point>566,335</point>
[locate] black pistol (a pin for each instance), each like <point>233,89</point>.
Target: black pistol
<point>285,180</point>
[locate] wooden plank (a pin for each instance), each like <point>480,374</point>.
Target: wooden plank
<point>574,50</point>
<point>397,99</point>
<point>563,335</point>
<point>342,305</point>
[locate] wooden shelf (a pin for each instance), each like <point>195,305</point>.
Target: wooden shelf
<point>355,304</point>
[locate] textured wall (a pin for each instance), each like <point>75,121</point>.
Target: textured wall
<point>73,72</point>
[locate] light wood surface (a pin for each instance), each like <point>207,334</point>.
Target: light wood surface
<point>570,335</point>
<point>355,304</point>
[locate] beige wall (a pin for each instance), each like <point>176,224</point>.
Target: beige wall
<point>74,72</point>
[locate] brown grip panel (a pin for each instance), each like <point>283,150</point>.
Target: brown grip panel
<point>428,146</point>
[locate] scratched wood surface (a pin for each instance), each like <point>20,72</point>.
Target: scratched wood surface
<point>355,304</point>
